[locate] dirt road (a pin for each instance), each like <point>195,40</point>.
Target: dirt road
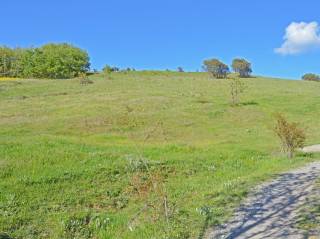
<point>270,211</point>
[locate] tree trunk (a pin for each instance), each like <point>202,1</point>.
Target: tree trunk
<point>290,154</point>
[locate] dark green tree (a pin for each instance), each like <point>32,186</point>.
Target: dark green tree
<point>107,69</point>
<point>180,69</point>
<point>311,77</point>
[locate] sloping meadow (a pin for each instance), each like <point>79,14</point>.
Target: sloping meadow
<point>139,154</point>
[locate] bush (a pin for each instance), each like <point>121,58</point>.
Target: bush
<point>290,135</point>
<point>311,77</point>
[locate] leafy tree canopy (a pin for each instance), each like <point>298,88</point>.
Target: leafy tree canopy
<point>48,61</point>
<point>217,68</point>
<point>311,77</point>
<point>242,66</point>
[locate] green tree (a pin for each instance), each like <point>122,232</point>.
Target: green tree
<point>311,77</point>
<point>62,61</point>
<point>16,66</point>
<point>216,68</point>
<point>10,61</point>
<point>48,61</point>
<point>31,63</point>
<point>180,69</point>
<point>7,57</point>
<point>107,69</point>
<point>242,66</point>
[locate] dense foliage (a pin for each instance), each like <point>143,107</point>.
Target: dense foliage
<point>242,66</point>
<point>48,61</point>
<point>217,68</point>
<point>311,77</point>
<point>8,61</point>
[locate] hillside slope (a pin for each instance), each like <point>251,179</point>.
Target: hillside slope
<point>140,154</point>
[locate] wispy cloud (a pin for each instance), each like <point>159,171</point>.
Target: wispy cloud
<point>300,37</point>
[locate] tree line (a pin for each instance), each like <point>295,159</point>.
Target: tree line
<point>108,69</point>
<point>58,61</point>
<point>55,61</point>
<point>220,70</point>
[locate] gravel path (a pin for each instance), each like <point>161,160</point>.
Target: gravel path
<point>270,211</point>
<point>312,149</point>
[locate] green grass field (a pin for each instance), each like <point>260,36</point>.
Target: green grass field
<point>139,154</point>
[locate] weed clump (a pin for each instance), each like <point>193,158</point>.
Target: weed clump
<point>85,226</point>
<point>137,164</point>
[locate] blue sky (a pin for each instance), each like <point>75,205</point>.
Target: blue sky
<point>161,34</point>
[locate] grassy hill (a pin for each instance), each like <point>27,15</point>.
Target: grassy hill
<point>139,154</point>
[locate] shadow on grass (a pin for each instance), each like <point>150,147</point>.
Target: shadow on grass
<point>276,200</point>
<point>5,236</point>
<point>248,103</point>
<point>203,101</point>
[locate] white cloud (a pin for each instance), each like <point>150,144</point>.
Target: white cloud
<point>300,37</point>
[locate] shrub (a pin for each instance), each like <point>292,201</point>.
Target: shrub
<point>290,135</point>
<point>311,77</point>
